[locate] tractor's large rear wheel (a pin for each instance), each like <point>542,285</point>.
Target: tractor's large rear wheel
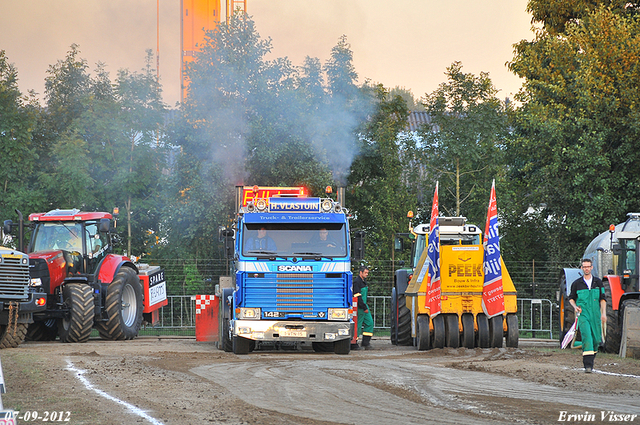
<point>12,336</point>
<point>614,331</point>
<point>404,322</point>
<point>42,331</point>
<point>76,325</point>
<point>124,305</point>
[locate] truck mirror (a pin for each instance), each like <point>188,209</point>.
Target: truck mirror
<point>104,226</point>
<point>228,234</point>
<point>358,246</point>
<point>6,228</point>
<point>617,250</point>
<point>398,244</point>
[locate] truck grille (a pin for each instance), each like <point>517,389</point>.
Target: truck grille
<point>296,292</point>
<point>14,278</point>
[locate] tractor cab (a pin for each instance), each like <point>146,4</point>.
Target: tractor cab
<point>82,237</point>
<point>627,267</point>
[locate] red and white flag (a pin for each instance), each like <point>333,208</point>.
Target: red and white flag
<point>433,256</point>
<point>492,294</point>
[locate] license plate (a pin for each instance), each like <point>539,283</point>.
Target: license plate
<point>293,333</point>
<point>274,314</point>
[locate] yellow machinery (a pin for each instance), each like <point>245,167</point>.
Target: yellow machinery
<point>462,321</point>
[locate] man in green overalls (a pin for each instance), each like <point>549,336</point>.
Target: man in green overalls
<point>588,301</point>
<point>365,321</point>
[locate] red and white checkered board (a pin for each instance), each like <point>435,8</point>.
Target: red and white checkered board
<point>203,301</point>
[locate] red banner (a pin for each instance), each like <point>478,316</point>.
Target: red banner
<point>433,257</point>
<point>492,293</point>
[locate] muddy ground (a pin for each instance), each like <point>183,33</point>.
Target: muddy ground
<point>182,381</point>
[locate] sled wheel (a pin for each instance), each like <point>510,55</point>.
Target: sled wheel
<point>512,331</point>
<point>422,333</point>
<point>483,337</point>
<point>438,331</point>
<point>468,332</point>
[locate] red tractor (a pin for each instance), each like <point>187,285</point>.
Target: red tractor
<point>70,260</point>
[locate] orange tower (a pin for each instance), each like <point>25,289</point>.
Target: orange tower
<point>198,17</point>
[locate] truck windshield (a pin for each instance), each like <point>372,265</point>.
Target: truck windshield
<point>57,236</point>
<point>294,239</point>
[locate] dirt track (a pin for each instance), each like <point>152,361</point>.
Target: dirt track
<point>181,381</point>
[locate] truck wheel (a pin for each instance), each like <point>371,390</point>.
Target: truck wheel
<point>496,331</point>
<point>512,330</point>
<point>241,345</point>
<point>42,331</point>
<point>404,322</point>
<point>422,333</point>
<point>227,343</point>
<point>11,338</point>
<point>77,323</point>
<point>468,332</point>
<point>342,347</point>
<point>614,331</point>
<point>124,305</point>
<point>453,331</point>
<point>483,338</point>
<point>438,332</point>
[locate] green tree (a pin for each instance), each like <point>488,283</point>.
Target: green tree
<point>18,121</point>
<point>462,145</point>
<point>573,150</point>
<point>377,194</point>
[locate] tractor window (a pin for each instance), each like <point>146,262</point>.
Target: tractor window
<point>57,236</point>
<point>630,256</point>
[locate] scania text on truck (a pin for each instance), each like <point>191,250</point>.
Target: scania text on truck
<point>293,280</point>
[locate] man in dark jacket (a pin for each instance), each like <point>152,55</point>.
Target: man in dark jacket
<point>365,321</point>
<point>588,301</point>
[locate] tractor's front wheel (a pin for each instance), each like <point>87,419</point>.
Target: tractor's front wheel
<point>76,325</point>
<point>124,305</point>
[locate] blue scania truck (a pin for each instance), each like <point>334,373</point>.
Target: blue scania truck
<point>292,282</point>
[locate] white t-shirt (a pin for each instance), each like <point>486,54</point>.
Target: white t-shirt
<point>588,281</point>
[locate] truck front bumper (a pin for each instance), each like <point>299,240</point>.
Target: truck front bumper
<point>274,330</point>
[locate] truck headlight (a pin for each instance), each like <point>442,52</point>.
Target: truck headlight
<point>343,332</point>
<point>337,314</point>
<point>329,336</point>
<point>249,313</point>
<point>36,281</point>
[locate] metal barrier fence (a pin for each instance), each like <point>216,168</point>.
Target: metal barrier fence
<point>535,316</point>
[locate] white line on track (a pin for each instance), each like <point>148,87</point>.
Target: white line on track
<point>79,374</point>
<point>624,375</point>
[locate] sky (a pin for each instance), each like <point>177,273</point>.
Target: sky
<point>405,43</point>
